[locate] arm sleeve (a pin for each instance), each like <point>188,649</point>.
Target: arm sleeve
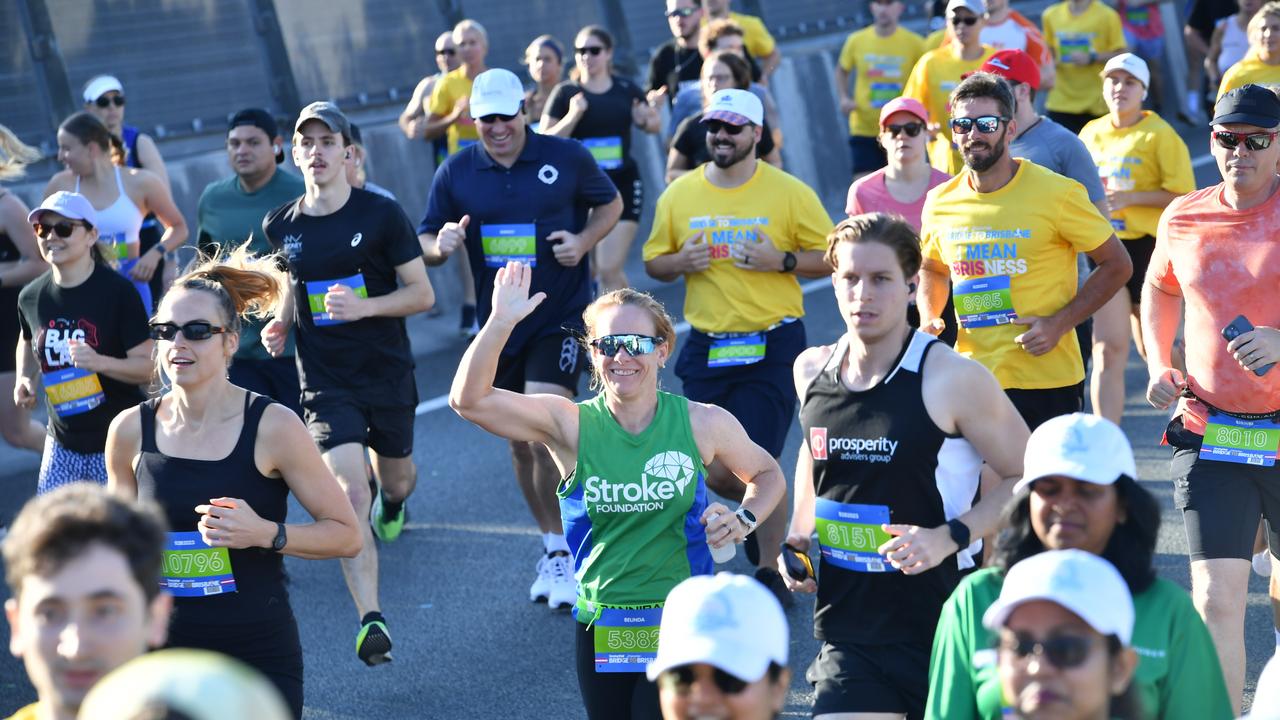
<point>633,91</point>
<point>848,55</point>
<point>687,137</point>
<point>951,692</point>
<point>662,239</point>
<point>929,243</point>
<point>440,205</point>
<point>811,222</point>
<point>1050,41</point>
<point>1079,166</point>
<point>594,187</point>
<point>918,85</point>
<point>759,42</point>
<point>1194,687</point>
<point>1115,32</point>
<point>1175,164</point>
<point>441,102</point>
<point>558,101</point>
<point>23,325</point>
<point>1082,226</point>
<point>402,242</point>
<point>1160,267</point>
<point>267,221</point>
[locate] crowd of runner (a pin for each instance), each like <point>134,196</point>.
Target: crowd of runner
<point>978,546</point>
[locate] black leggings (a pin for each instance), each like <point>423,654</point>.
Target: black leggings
<point>612,696</point>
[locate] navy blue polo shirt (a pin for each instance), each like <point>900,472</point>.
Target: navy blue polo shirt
<point>550,187</point>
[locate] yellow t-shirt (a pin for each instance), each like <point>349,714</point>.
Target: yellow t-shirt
<point>932,80</point>
<point>1145,156</point>
<point>882,64</point>
<point>933,40</point>
<point>1020,241</point>
<point>451,88</point>
<point>755,36</point>
<point>30,712</point>
<point>1250,70</point>
<point>1078,88</point>
<point>725,298</point>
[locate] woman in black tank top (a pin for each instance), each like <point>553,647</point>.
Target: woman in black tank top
<point>222,461</point>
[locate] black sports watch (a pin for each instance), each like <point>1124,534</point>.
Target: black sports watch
<point>788,262</point>
<point>959,533</point>
<point>281,540</point>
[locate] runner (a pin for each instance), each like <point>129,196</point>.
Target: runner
<point>1080,491</point>
<point>1007,29</point>
<point>1230,42</point>
<point>357,175</point>
<point>104,98</point>
<point>720,71</point>
<point>726,36</point>
<point>545,60</point>
<point>599,109</point>
<point>1144,35</point>
<point>1008,231</point>
<point>72,557</point>
<point>1144,165</point>
<point>939,71</point>
<point>413,119</point>
<point>123,198</point>
<point>1222,486</point>
<point>889,523</point>
<point>231,210</point>
<point>347,249</point>
<point>739,232</point>
<point>1261,65</point>
<point>1201,17</point>
<point>1078,632</point>
<point>760,44</point>
<point>20,263</point>
<point>646,444</point>
<point>221,461</point>
<point>1083,35</point>
<point>881,57</point>
<point>566,204</point>
<point>85,335</point>
<point>677,63</point>
<point>722,651</point>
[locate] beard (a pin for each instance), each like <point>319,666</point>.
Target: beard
<point>983,164</point>
<point>738,155</point>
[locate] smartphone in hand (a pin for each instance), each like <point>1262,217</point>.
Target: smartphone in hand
<point>1238,327</point>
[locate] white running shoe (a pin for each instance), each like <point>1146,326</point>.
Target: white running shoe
<point>541,588</point>
<point>564,587</point>
<point>1262,563</point>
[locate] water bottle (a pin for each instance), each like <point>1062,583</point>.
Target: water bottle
<point>724,553</point>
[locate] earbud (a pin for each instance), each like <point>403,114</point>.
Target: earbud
<point>275,149</point>
<point>911,287</point>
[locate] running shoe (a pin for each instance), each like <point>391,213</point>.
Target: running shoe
<point>373,643</point>
<point>1262,563</point>
<point>564,587</point>
<point>772,579</point>
<point>387,529</point>
<point>540,591</point>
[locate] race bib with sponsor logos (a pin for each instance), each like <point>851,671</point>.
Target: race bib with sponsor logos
<point>848,535</point>
<point>744,350</point>
<point>508,242</point>
<point>607,151</point>
<point>194,569</point>
<point>73,391</point>
<point>984,301</point>
<point>316,290</point>
<point>1236,440</point>
<point>626,640</point>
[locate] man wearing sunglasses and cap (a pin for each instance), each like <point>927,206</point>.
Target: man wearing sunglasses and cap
<point>1216,256</point>
<point>231,210</point>
<point>543,201</point>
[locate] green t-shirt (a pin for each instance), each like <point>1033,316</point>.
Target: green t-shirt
<point>1178,675</point>
<point>632,508</point>
<point>227,216</point>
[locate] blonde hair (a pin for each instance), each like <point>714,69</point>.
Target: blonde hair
<point>1271,9</point>
<point>470,24</point>
<point>247,286</point>
<point>663,327</point>
<point>15,155</point>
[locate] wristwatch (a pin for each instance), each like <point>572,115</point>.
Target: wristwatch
<point>788,262</point>
<point>959,533</point>
<point>281,538</point>
<point>748,519</point>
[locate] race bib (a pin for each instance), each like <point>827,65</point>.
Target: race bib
<point>1069,43</point>
<point>606,150</point>
<point>744,350</point>
<point>508,242</point>
<point>73,390</point>
<point>316,290</point>
<point>984,301</point>
<point>626,640</point>
<point>1248,442</point>
<point>194,569</point>
<point>849,534</point>
<point>1137,15</point>
<point>883,92</point>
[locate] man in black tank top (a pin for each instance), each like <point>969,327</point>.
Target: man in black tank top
<point>888,475</point>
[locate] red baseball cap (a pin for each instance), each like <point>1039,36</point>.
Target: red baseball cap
<point>903,104</point>
<point>1014,66</point>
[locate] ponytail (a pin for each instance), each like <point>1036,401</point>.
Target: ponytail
<point>248,286</point>
<point>15,155</point>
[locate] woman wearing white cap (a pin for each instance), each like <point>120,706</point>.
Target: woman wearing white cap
<point>1065,620</point>
<point>1144,165</point>
<point>1079,491</point>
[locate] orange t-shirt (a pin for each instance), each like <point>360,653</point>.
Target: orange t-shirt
<point>1224,263</point>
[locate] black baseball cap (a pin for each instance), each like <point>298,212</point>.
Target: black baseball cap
<point>261,119</point>
<point>327,113</point>
<point>1248,105</point>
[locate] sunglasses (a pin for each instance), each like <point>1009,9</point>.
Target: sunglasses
<point>1253,141</point>
<point>104,101</point>
<point>682,12</point>
<point>681,679</point>
<point>496,117</point>
<point>635,345</point>
<point>970,20</point>
<point>194,330</point>
<point>589,50</point>
<point>1063,652</point>
<point>62,229</point>
<point>986,124</point>
<point>447,52</point>
<point>715,126</point>
<point>912,129</point>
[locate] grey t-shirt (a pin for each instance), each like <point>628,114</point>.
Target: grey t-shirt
<point>1050,145</point>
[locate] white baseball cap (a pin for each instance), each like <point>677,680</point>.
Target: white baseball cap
<point>101,85</point>
<point>1079,581</point>
<point>974,6</point>
<point>729,621</point>
<point>1131,64</point>
<point>736,107</point>
<point>72,206</point>
<point>496,92</point>
<point>1082,447</point>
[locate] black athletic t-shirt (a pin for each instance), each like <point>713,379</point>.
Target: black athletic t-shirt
<point>364,240</point>
<point>105,311</point>
<point>675,68</point>
<point>691,140</point>
<point>878,449</point>
<point>605,129</point>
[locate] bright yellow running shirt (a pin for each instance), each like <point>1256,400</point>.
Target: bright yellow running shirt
<point>451,88</point>
<point>1024,236</point>
<point>931,82</point>
<point>725,298</point>
<point>1250,70</point>
<point>882,64</point>
<point>755,36</point>
<point>1078,88</point>
<point>1145,156</point>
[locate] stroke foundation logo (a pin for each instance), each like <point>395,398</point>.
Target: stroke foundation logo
<point>666,477</point>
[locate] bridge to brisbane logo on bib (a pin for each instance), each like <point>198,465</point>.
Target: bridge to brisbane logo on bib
<point>666,476</point>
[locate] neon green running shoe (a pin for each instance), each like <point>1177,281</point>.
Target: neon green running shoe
<point>373,643</point>
<point>387,529</point>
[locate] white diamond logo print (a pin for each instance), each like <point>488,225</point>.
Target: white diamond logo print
<point>671,465</point>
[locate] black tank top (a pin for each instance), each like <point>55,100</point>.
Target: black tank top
<point>180,484</point>
<point>879,451</point>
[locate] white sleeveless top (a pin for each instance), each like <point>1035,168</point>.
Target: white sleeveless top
<point>1235,43</point>
<point>121,220</point>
